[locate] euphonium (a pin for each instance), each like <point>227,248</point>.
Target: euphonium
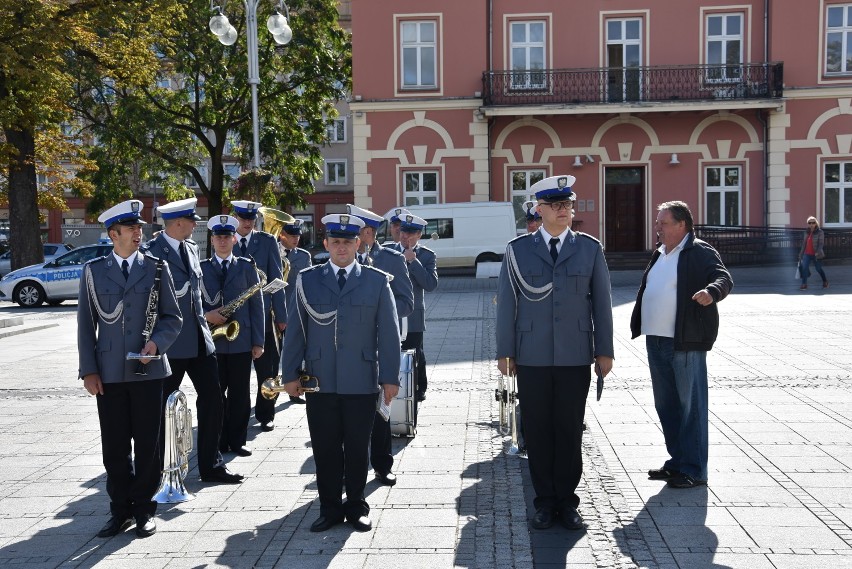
<point>506,395</point>
<point>178,445</point>
<point>273,223</point>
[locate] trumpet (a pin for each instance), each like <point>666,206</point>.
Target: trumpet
<point>271,387</point>
<point>506,396</point>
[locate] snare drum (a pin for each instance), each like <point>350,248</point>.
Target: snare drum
<point>403,421</point>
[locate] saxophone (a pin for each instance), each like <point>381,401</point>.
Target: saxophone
<point>230,330</point>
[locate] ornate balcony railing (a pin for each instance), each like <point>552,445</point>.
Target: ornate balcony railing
<point>651,84</point>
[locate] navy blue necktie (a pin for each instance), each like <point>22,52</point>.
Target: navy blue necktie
<point>183,256</point>
<point>224,269</point>
<point>243,247</point>
<point>125,269</point>
<point>341,278</point>
<point>553,252</point>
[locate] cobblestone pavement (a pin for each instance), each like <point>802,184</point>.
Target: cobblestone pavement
<point>779,494</point>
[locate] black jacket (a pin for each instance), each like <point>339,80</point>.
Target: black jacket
<point>698,267</point>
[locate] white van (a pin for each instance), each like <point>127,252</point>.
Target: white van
<point>463,234</point>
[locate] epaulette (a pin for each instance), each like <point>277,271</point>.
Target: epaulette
<point>519,237</point>
<point>426,249</point>
<point>208,260</point>
<point>190,241</point>
<point>391,251</point>
<point>150,256</point>
<point>248,258</point>
<point>97,259</point>
<point>587,236</point>
<point>388,276</point>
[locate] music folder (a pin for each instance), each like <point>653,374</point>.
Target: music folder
<point>600,380</point>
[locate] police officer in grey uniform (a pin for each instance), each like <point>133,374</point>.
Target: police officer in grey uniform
<point>395,223</point>
<point>554,320</point>
<point>193,351</point>
<point>299,259</point>
<point>263,248</point>
<point>227,278</point>
<point>115,316</point>
<point>344,328</point>
<point>422,269</point>
<point>532,215</point>
<point>392,262</point>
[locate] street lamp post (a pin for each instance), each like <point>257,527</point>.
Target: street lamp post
<point>278,26</point>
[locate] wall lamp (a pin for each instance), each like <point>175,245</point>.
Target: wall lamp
<point>577,162</point>
<point>674,160</point>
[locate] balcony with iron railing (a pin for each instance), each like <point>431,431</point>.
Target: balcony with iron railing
<point>628,85</point>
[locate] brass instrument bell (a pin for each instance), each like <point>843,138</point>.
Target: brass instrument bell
<point>271,387</point>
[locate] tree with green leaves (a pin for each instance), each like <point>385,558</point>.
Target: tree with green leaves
<point>36,121</point>
<point>199,105</point>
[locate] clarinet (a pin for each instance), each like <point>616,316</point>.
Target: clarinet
<point>150,315</point>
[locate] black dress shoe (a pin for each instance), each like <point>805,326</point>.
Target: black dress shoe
<point>685,481</point>
<point>388,479</point>
<point>543,518</point>
<point>362,524</point>
<point>221,475</point>
<point>324,523</point>
<point>242,451</point>
<point>569,518</point>
<point>145,526</point>
<point>297,400</point>
<point>661,474</point>
<point>115,526</point>
<point>421,396</point>
<point>266,427</point>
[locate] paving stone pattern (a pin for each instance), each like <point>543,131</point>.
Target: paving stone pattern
<point>779,493</point>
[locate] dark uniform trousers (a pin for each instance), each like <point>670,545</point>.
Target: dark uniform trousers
<point>131,410</point>
<point>234,379</point>
<point>266,366</point>
<point>554,396</point>
<point>204,373</point>
<point>336,421</point>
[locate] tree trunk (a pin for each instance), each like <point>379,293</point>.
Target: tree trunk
<point>24,228</point>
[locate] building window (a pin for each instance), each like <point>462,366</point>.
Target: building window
<point>838,47</point>
<point>623,59</point>
<point>419,55</point>
<point>421,188</point>
<point>190,180</point>
<point>335,172</point>
<point>521,182</point>
<point>725,46</point>
<point>337,131</point>
<point>232,171</point>
<point>723,188</point>
<point>837,188</point>
<point>528,55</point>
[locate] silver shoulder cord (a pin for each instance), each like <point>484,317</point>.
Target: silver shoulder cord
<point>519,284</point>
<point>323,319</point>
<point>113,316</point>
<point>211,301</point>
<point>183,290</point>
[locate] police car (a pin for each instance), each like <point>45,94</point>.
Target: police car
<point>50,282</point>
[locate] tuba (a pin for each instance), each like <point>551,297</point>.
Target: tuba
<point>178,427</point>
<point>273,223</point>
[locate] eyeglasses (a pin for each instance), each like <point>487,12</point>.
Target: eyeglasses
<point>559,206</point>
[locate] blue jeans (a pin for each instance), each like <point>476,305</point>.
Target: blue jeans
<point>679,380</point>
<point>805,270</point>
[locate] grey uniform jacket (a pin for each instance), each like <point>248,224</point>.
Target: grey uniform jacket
<point>241,277</point>
<point>263,248</point>
<point>568,326</point>
<point>299,259</point>
<point>393,262</point>
<point>110,325</point>
<point>187,289</point>
<point>353,351</point>
<point>423,273</point>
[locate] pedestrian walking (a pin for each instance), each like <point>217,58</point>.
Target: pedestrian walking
<point>812,252</point>
<point>676,312</point>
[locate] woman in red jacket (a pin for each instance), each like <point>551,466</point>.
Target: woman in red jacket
<point>812,252</point>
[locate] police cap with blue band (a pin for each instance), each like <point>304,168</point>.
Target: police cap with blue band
<point>532,213</point>
<point>369,218</point>
<point>294,228</point>
<point>412,223</point>
<point>245,209</point>
<point>126,213</point>
<point>555,189</point>
<point>342,225</point>
<point>398,213</point>
<point>181,208</point>
<point>223,224</point>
